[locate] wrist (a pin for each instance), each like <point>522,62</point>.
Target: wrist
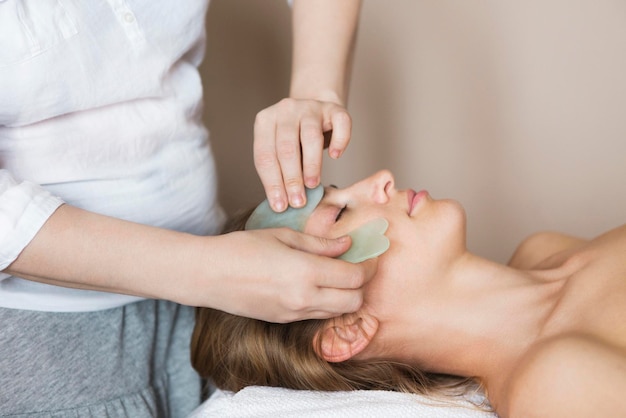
<point>207,271</point>
<point>330,95</point>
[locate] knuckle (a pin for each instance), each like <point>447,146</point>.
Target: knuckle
<point>342,117</point>
<point>287,103</point>
<point>298,302</point>
<point>357,279</point>
<point>312,167</point>
<point>294,182</point>
<point>324,243</point>
<point>287,149</point>
<point>264,160</point>
<point>264,117</point>
<point>286,316</point>
<point>355,303</point>
<point>273,190</point>
<point>311,134</point>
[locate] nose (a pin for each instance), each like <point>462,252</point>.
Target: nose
<point>381,186</point>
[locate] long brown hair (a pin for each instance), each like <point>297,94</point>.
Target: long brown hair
<point>234,352</point>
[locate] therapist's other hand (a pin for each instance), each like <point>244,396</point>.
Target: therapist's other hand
<point>289,141</point>
<point>280,275</point>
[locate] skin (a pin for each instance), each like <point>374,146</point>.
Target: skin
<point>291,135</point>
<point>273,275</point>
<point>249,273</point>
<point>537,333</point>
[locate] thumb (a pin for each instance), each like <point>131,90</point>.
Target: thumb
<point>329,247</point>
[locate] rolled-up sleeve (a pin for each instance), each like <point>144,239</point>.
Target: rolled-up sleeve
<point>24,208</point>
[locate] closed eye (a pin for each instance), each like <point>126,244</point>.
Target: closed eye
<point>340,213</point>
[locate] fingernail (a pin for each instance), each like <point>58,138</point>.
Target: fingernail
<point>297,201</point>
<point>335,153</point>
<point>278,205</point>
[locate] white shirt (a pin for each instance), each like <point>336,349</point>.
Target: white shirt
<point>100,107</point>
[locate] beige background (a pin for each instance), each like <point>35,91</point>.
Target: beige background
<point>516,109</point>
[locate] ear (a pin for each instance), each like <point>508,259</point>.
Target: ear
<point>344,337</point>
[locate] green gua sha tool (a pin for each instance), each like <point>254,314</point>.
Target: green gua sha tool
<point>368,240</point>
<point>295,218</point>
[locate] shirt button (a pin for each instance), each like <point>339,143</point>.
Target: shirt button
<point>128,17</point>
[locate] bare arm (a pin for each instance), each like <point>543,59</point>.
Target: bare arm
<point>324,33</point>
<point>289,136</point>
<point>246,273</point>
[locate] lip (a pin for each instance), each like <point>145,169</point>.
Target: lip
<point>414,198</point>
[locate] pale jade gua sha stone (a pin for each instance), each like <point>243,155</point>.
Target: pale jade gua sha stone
<point>368,240</point>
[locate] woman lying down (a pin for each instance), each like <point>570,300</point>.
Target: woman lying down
<point>544,336</point>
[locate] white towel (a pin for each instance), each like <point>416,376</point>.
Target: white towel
<point>259,402</point>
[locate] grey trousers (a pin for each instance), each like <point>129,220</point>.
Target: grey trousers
<point>131,361</point>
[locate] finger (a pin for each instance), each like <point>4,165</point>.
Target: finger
<point>328,247</point>
<point>288,153</point>
<point>336,299</point>
<point>312,142</point>
<point>342,130</point>
<point>330,303</point>
<point>370,268</point>
<point>331,248</point>
<point>266,161</point>
<point>338,274</point>
<point>330,272</point>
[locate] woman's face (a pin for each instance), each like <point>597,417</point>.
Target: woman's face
<point>426,237</point>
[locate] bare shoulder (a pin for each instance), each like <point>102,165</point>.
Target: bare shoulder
<point>541,246</point>
<point>569,376</point>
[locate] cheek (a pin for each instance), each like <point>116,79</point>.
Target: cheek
<point>394,283</point>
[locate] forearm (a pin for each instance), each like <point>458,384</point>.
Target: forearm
<point>252,273</point>
<point>80,249</point>
<point>324,34</point>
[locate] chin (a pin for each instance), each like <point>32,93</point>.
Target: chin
<point>457,213</point>
<point>452,225</point>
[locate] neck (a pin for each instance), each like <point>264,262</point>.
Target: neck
<point>478,320</point>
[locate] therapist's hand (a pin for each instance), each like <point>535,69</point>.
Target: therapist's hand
<point>289,141</point>
<point>280,275</point>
